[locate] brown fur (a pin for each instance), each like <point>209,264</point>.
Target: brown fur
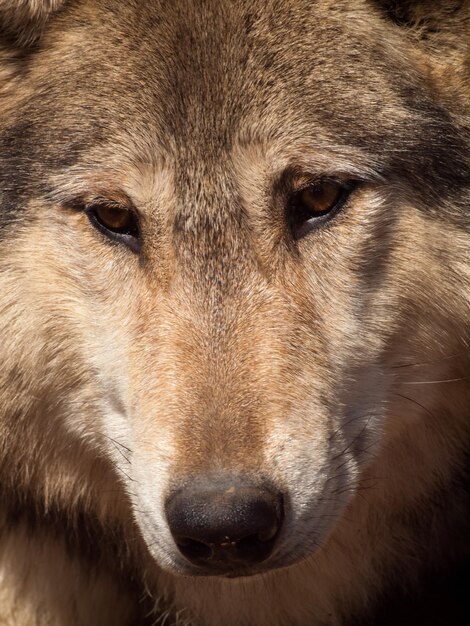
<point>336,366</point>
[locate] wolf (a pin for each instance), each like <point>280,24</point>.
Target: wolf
<point>235,306</point>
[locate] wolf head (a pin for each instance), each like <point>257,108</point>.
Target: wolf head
<point>231,234</point>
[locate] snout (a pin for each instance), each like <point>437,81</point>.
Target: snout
<point>225,525</point>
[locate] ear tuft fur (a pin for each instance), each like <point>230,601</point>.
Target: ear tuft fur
<point>22,21</point>
<point>440,33</point>
<point>428,18</point>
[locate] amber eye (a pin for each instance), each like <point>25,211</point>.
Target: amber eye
<point>115,219</point>
<point>311,205</point>
<point>321,198</point>
<point>118,223</point>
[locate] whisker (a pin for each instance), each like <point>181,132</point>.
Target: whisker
<point>118,445</point>
<point>355,439</point>
<point>124,473</point>
<point>435,382</point>
<point>399,395</point>
<point>433,361</point>
<point>341,426</point>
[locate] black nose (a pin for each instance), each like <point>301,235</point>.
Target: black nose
<point>224,525</point>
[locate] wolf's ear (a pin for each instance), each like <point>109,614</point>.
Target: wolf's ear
<point>22,21</point>
<point>429,19</point>
<point>439,31</point>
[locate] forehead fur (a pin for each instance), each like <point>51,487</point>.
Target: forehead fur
<point>187,82</point>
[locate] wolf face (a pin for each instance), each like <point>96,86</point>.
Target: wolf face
<point>235,273</point>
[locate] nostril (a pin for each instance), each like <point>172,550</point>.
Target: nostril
<point>254,548</point>
<point>194,550</point>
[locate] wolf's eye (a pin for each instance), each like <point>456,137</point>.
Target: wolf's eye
<point>314,204</point>
<point>116,222</point>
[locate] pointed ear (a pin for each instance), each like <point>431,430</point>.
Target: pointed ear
<point>22,21</point>
<point>439,30</point>
<point>430,19</point>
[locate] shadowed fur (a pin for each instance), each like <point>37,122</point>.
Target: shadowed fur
<point>210,342</point>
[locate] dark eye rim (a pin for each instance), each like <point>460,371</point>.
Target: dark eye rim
<point>130,237</point>
<point>300,222</point>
